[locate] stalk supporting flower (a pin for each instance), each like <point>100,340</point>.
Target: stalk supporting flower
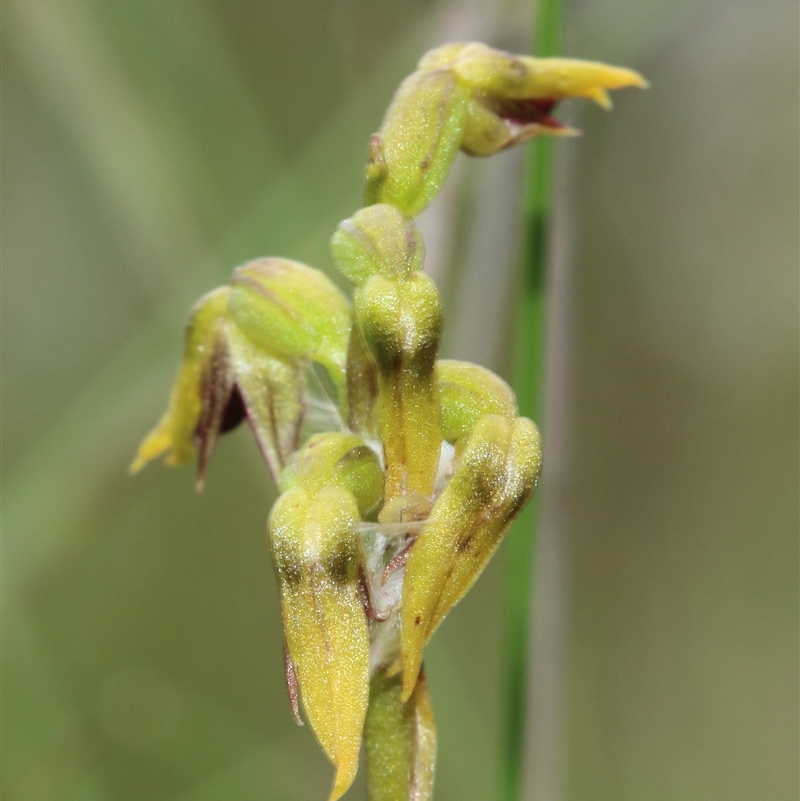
<point>382,526</point>
<point>399,741</point>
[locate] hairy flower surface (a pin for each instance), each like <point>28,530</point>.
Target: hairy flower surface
<point>384,523</point>
<point>470,97</point>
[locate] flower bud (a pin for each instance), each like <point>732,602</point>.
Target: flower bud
<point>412,153</point>
<point>292,311</point>
<point>316,556</point>
<point>337,459</point>
<point>495,474</point>
<point>377,240</point>
<point>478,99</point>
<point>466,392</point>
<point>401,324</point>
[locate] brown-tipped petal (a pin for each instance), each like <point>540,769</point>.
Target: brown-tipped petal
<point>221,403</point>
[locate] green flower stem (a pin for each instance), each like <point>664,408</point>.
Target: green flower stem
<point>399,741</point>
<point>528,379</point>
<point>385,741</point>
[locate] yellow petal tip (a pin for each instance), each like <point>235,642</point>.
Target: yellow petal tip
<point>155,444</point>
<point>345,775</point>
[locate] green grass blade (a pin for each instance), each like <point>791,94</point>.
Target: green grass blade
<point>528,379</point>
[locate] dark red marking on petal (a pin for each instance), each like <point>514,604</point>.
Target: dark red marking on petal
<point>527,111</point>
<point>292,685</point>
<point>366,600</point>
<point>234,411</point>
<point>216,386</point>
<point>396,562</point>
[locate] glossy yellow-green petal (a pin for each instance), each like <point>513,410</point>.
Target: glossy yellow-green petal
<point>412,153</point>
<point>467,392</point>
<point>495,475</point>
<point>337,459</point>
<point>316,556</point>
<point>401,323</point>
<point>523,467</point>
<point>293,311</point>
<point>173,436</point>
<point>378,239</point>
<point>466,500</point>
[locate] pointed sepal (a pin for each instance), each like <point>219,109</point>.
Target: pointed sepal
<point>472,97</point>
<point>225,378</point>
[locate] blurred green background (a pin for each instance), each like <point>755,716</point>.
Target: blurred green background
<point>149,146</point>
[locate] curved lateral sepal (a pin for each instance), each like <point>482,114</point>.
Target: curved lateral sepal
<point>225,377</point>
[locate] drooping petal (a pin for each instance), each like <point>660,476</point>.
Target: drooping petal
<point>316,555</point>
<point>173,436</point>
<point>272,392</point>
<point>495,474</point>
<point>224,378</point>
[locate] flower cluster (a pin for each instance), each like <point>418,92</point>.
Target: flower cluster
<point>383,525</point>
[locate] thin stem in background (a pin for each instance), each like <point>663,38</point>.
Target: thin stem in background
<point>529,385</point>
